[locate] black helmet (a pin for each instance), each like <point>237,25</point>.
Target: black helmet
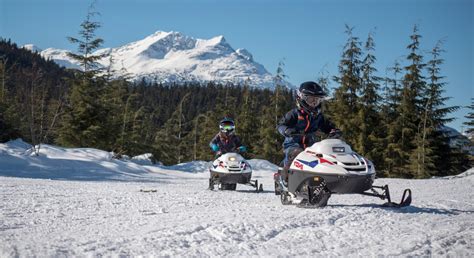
<point>310,96</point>
<point>227,126</point>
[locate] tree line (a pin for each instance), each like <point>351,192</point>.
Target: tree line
<point>396,121</point>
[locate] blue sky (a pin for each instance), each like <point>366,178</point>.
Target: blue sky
<point>309,35</point>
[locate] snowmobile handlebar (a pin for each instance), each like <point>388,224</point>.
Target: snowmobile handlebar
<point>335,135</point>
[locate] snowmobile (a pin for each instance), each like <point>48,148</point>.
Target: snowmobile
<point>329,167</point>
<point>231,169</point>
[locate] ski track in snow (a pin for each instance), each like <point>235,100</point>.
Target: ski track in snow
<point>46,218</point>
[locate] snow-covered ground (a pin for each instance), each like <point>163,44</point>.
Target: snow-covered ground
<point>98,206</point>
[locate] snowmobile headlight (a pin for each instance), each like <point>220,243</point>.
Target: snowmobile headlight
<point>232,159</point>
<point>338,149</point>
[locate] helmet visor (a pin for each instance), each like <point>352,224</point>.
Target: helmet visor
<point>227,127</point>
<point>312,101</point>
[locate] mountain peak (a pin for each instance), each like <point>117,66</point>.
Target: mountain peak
<point>32,48</point>
<point>175,57</point>
<point>219,40</point>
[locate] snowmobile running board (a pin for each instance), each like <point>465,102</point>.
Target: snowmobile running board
<point>406,198</point>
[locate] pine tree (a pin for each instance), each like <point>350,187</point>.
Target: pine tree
<point>279,81</point>
<point>270,144</point>
<point>170,140</point>
<point>437,147</point>
<point>123,110</point>
<point>323,80</point>
<point>392,156</point>
<point>369,141</point>
<point>206,127</point>
<point>85,122</point>
<point>87,44</point>
<point>344,107</point>
<point>410,110</point>
<point>3,78</point>
<point>6,129</point>
<point>470,117</point>
<point>247,121</point>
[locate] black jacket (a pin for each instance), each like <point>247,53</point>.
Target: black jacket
<point>305,125</point>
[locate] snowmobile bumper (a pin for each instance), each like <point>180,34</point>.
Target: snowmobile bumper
<point>335,183</point>
<point>231,178</point>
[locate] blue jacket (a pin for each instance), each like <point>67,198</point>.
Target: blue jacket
<point>305,124</point>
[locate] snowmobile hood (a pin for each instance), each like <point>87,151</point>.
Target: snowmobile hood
<point>332,157</point>
<point>231,163</point>
<point>331,146</point>
<point>231,158</point>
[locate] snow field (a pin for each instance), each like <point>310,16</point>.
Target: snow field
<point>116,208</point>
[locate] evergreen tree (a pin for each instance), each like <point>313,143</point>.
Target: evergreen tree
<point>410,110</point>
<point>206,127</point>
<point>85,122</point>
<point>170,140</point>
<point>436,143</point>
<point>122,107</point>
<point>470,122</point>
<point>345,105</point>
<point>247,121</point>
<point>279,81</point>
<point>392,156</point>
<point>323,80</point>
<point>87,44</point>
<point>369,141</point>
<point>6,130</point>
<point>269,146</point>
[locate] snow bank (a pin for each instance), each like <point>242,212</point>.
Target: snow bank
<point>467,173</point>
<point>144,159</point>
<point>261,164</point>
<point>14,146</point>
<point>192,167</point>
<point>18,160</point>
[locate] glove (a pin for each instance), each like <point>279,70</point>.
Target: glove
<point>335,134</point>
<point>214,147</point>
<point>289,131</point>
<point>242,149</point>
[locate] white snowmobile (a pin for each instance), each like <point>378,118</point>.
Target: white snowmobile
<point>229,170</point>
<point>327,167</point>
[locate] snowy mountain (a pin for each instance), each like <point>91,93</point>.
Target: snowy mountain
<point>99,206</point>
<point>172,56</point>
<point>458,140</point>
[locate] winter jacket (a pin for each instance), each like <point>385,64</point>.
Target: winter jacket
<point>229,144</point>
<point>305,125</point>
